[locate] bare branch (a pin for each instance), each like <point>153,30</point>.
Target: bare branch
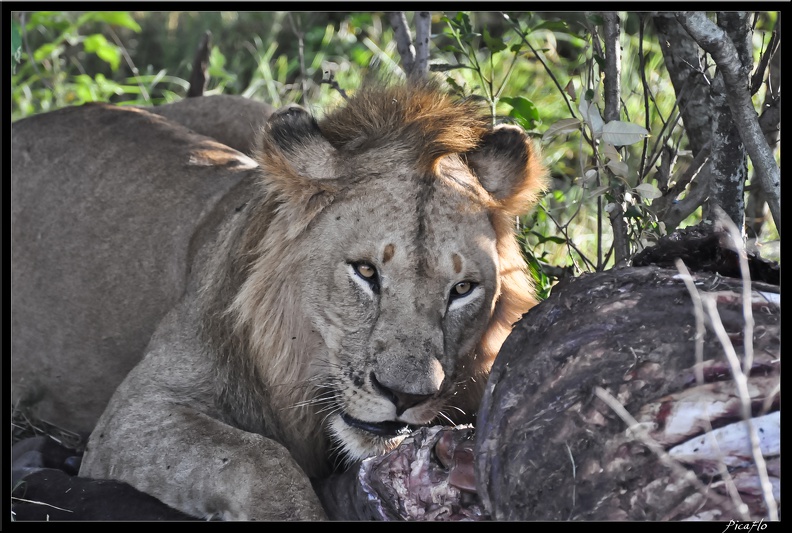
<point>715,42</point>
<point>404,42</point>
<point>691,83</point>
<point>329,79</point>
<point>758,76</point>
<point>612,82</point>
<point>698,312</point>
<point>670,198</point>
<point>423,27</point>
<point>612,94</point>
<point>697,193</point>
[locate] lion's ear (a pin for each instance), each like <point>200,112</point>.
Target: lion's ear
<point>291,143</point>
<point>299,165</point>
<point>509,167</point>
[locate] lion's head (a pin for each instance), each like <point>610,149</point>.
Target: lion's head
<point>377,274</point>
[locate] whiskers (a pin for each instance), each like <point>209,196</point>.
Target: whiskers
<point>443,414</point>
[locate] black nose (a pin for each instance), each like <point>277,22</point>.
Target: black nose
<point>402,400</point>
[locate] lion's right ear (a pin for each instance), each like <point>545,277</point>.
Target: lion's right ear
<point>509,167</point>
<point>299,165</point>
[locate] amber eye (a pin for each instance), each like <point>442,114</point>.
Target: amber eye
<point>368,273</point>
<point>365,270</point>
<point>462,288</point>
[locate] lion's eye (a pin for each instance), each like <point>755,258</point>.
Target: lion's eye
<point>463,288</point>
<point>367,273</point>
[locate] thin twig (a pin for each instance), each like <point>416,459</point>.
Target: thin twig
<point>758,76</point>
<point>574,476</point>
<point>329,79</point>
<point>634,427</point>
<point>645,86</point>
<point>739,374</point>
<point>135,72</point>
<point>745,403</point>
<point>41,503</point>
<point>297,30</point>
<point>698,312</point>
<point>734,494</point>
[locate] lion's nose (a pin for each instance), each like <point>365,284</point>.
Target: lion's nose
<point>402,400</point>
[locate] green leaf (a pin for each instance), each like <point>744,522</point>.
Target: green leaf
<point>463,20</point>
<point>93,42</point>
<point>522,108</point>
<point>494,44</point>
<point>451,48</point>
<point>46,50</point>
<point>118,18</point>
<point>106,51</point>
<point>216,58</point>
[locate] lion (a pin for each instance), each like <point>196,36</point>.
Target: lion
<point>351,282</point>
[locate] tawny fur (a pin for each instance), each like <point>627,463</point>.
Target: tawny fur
<point>269,352</point>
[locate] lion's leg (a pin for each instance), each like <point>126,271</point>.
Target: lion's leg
<point>198,464</point>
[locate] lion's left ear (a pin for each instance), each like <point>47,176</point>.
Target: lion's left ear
<point>299,165</point>
<point>509,167</point>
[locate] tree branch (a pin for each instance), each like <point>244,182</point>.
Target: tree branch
<point>681,56</point>
<point>612,95</point>
<point>715,42</point>
<point>670,210</point>
<point>423,26</point>
<point>404,42</point>
<point>758,76</point>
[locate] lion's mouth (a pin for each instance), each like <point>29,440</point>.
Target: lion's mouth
<point>388,428</point>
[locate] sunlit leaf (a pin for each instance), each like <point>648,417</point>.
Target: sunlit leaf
<point>106,51</point>
<point>118,18</point>
<point>46,50</point>
<point>621,133</point>
<point>523,110</point>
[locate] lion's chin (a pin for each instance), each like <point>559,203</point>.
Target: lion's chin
<point>359,440</point>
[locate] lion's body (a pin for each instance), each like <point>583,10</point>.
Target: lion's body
<point>360,280</point>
